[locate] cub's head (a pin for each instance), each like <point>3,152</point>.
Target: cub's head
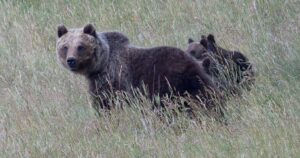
<point>202,49</point>
<point>80,50</point>
<point>197,49</point>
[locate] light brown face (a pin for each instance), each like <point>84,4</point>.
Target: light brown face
<point>75,49</point>
<point>196,50</point>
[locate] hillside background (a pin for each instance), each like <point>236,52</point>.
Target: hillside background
<point>45,110</point>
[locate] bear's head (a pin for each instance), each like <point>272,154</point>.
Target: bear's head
<point>81,50</point>
<point>197,49</point>
<point>237,57</point>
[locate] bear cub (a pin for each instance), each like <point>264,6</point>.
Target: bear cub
<point>232,68</point>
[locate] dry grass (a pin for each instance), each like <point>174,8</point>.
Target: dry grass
<point>45,111</point>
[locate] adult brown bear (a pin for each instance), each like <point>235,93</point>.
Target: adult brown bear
<point>110,63</point>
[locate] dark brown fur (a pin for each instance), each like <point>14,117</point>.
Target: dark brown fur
<point>111,64</point>
<point>233,66</point>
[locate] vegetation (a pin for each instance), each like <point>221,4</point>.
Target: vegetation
<point>45,110</point>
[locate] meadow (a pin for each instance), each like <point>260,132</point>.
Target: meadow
<point>45,110</point>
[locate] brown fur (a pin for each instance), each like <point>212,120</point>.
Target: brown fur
<point>231,67</point>
<point>111,64</point>
<point>196,49</point>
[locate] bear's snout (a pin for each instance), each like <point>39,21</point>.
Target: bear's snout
<point>72,63</point>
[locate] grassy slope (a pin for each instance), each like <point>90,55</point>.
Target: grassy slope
<point>45,111</point>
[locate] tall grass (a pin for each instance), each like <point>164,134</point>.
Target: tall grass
<point>45,110</point>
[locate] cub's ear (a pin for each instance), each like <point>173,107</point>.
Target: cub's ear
<point>211,38</point>
<point>61,30</point>
<point>90,29</point>
<point>203,41</point>
<point>191,40</point>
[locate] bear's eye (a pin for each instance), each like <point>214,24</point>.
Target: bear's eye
<point>80,48</point>
<point>65,49</point>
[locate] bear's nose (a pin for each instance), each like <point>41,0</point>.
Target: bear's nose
<point>71,63</point>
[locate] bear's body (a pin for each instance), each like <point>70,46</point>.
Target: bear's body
<point>110,63</point>
<point>231,67</point>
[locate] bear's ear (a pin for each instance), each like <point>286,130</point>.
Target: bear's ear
<point>211,38</point>
<point>203,42</point>
<point>90,29</point>
<point>190,40</point>
<point>61,30</point>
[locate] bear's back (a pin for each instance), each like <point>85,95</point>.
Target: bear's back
<point>115,39</point>
<point>162,68</point>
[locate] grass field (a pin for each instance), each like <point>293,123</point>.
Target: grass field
<point>45,110</point>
